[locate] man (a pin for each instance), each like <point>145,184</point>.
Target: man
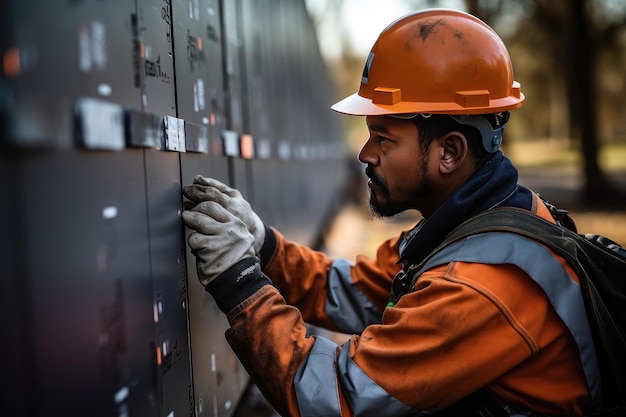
<point>436,92</point>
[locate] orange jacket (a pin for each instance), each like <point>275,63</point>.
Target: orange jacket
<point>462,326</point>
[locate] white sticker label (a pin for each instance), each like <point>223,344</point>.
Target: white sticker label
<point>174,134</point>
<point>231,143</point>
<point>100,124</point>
<point>92,46</point>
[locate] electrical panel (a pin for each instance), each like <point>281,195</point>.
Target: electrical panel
<point>107,109</point>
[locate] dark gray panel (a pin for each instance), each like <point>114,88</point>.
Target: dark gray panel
<point>200,78</point>
<point>198,49</point>
<point>66,50</point>
<point>322,151</point>
<point>263,86</point>
<point>86,267</point>
<point>167,265</point>
<point>92,244</point>
<point>234,74</point>
<point>282,109</point>
<point>218,378</point>
<point>156,75</point>
<point>13,304</point>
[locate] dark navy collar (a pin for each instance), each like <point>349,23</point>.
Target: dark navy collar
<point>492,185</point>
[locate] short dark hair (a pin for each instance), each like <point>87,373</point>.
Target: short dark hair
<point>437,125</point>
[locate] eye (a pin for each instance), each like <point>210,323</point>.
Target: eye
<point>382,139</point>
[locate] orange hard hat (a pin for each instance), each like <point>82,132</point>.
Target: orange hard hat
<point>438,61</point>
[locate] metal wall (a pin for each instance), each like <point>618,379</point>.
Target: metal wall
<point>107,107</point>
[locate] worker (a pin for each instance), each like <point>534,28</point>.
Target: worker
<point>436,92</point>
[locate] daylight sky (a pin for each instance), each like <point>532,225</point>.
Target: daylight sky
<point>361,20</point>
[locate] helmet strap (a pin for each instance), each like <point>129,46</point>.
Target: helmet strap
<point>490,126</point>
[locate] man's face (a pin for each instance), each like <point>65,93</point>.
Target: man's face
<point>397,169</point>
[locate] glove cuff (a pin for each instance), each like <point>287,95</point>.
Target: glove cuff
<point>237,283</point>
<point>269,246</point>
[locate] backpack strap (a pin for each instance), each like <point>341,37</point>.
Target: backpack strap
<point>600,267</point>
<point>586,255</point>
<point>519,221</point>
<point>498,248</point>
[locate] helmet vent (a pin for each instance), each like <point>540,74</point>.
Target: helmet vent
<point>474,98</point>
<point>516,89</point>
<point>387,96</point>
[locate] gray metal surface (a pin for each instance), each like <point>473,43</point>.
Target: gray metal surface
<point>85,299</point>
<point>156,56</point>
<point>66,50</point>
<point>108,108</point>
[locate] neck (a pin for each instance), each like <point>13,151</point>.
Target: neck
<point>493,184</point>
<point>449,184</point>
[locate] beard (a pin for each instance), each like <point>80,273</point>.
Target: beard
<point>384,205</point>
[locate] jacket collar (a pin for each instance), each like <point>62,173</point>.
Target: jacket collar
<point>492,185</point>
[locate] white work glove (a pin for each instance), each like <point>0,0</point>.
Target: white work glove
<point>220,239</point>
<point>209,189</point>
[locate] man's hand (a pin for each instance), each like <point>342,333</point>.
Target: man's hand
<point>220,239</point>
<point>209,189</point>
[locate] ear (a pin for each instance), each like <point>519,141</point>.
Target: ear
<point>454,151</point>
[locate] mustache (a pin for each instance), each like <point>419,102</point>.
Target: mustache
<point>375,178</point>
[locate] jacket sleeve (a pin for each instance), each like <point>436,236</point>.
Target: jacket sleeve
<point>332,293</point>
<point>442,341</point>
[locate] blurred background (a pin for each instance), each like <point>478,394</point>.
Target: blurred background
<point>569,138</point>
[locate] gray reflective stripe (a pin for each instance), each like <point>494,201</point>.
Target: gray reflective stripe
<point>318,395</point>
<point>364,396</point>
<point>316,382</point>
<point>346,305</point>
<point>534,259</point>
<point>515,411</point>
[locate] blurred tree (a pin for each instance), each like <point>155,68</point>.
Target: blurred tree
<point>571,38</point>
<point>577,33</point>
<point>569,55</point>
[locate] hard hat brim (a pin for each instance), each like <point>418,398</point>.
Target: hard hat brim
<point>357,105</point>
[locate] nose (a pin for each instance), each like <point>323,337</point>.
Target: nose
<point>367,155</point>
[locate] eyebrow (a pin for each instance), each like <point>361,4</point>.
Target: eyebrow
<point>378,128</point>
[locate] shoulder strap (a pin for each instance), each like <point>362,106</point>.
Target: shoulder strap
<point>521,222</point>
<point>572,247</point>
<point>515,220</point>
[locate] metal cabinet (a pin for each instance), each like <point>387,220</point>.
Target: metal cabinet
<point>107,109</point>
